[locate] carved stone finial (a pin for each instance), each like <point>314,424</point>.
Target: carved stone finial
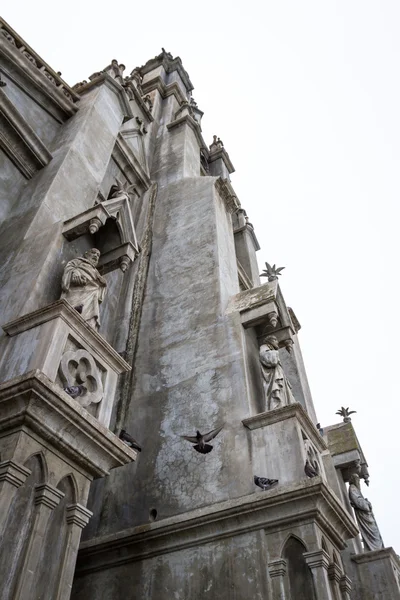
<point>94,225</point>
<point>82,285</point>
<point>345,413</point>
<point>272,272</point>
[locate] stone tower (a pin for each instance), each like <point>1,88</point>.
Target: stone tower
<point>165,329</point>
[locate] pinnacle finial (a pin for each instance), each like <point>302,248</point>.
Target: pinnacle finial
<point>272,272</point>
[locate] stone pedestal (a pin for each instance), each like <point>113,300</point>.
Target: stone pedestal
<point>377,575</point>
<point>58,342</point>
<point>282,440</point>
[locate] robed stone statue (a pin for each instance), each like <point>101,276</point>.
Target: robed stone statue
<point>365,517</point>
<point>277,389</point>
<point>83,286</point>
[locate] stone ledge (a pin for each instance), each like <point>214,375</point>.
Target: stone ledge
<point>228,195</point>
<point>35,404</point>
<point>271,510</point>
<point>290,411</point>
<point>165,90</point>
<point>188,120</point>
<point>367,557</point>
<point>63,310</point>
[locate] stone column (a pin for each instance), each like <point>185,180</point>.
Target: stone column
<point>318,561</point>
<point>12,476</point>
<point>345,587</point>
<point>277,571</point>
<point>47,497</point>
<point>335,574</point>
<point>77,518</point>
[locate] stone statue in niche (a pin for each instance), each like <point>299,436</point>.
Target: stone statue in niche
<point>83,286</point>
<point>277,389</point>
<point>365,517</point>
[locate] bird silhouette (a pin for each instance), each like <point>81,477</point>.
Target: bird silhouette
<point>264,483</point>
<point>129,441</point>
<point>199,440</point>
<point>320,429</point>
<point>310,470</point>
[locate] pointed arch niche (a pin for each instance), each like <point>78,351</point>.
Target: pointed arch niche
<point>299,577</point>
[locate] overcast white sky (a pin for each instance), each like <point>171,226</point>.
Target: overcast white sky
<point>306,97</point>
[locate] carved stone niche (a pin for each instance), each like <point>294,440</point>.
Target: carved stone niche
<point>116,209</point>
<point>264,308</point>
<point>58,342</point>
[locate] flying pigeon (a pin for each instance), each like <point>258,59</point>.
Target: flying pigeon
<point>264,483</point>
<point>309,470</point>
<point>75,390</point>
<point>200,440</point>
<point>129,441</point>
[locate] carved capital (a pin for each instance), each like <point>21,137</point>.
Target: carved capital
<point>318,558</point>
<point>335,572</point>
<point>78,515</point>
<point>277,568</point>
<point>13,473</point>
<point>48,495</point>
<point>345,584</point>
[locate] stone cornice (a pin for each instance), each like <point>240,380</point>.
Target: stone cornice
<point>250,230</point>
<point>227,193</point>
<point>188,120</point>
<point>165,90</point>
<point>317,558</point>
<point>272,510</point>
<point>112,84</point>
<point>287,412</point>
<point>367,557</point>
<point>19,141</point>
<point>131,167</point>
<point>62,309</point>
<point>39,73</point>
<point>222,154</point>
<point>138,98</point>
<point>169,64</point>
<point>32,401</point>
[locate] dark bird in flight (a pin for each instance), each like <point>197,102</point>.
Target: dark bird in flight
<point>200,440</point>
<point>264,483</point>
<point>309,470</point>
<point>129,441</point>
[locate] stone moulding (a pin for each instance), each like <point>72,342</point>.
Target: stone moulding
<point>169,65</point>
<point>113,85</point>
<point>64,310</point>
<point>271,511</point>
<point>129,164</point>
<point>19,141</point>
<point>39,72</point>
<point>165,90</point>
<point>188,120</point>
<point>385,553</point>
<point>36,405</point>
<point>228,195</point>
<point>288,412</point>
<point>222,154</point>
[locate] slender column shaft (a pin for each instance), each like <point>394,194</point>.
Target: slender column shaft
<point>318,562</point>
<point>12,476</point>
<point>277,571</point>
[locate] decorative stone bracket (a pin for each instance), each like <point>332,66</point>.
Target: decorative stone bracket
<point>263,307</point>
<point>91,220</point>
<point>69,352</point>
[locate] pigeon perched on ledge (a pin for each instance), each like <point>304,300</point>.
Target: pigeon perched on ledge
<point>264,483</point>
<point>129,441</point>
<point>75,390</point>
<point>309,470</point>
<point>200,440</point>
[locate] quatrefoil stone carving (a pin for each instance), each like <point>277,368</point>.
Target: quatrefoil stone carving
<point>77,367</point>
